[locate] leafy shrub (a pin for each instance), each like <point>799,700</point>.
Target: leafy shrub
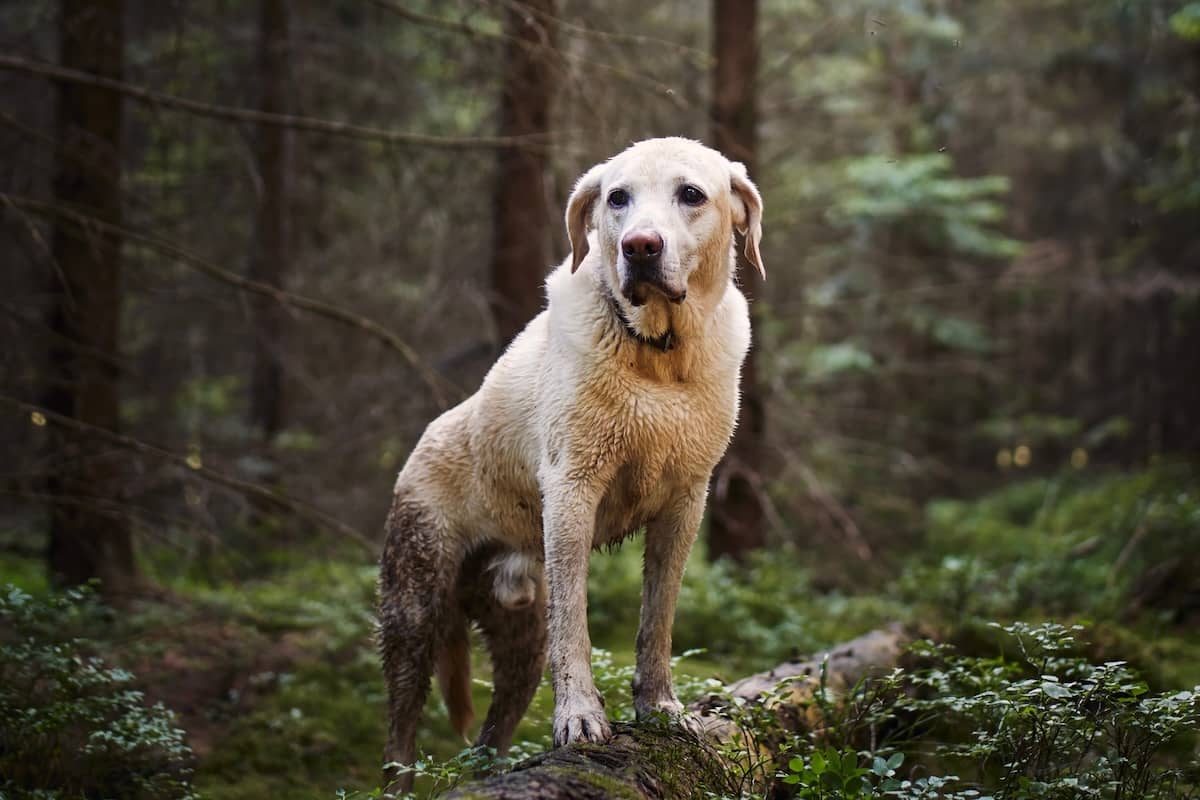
<point>317,717</point>
<point>1040,722</point>
<point>70,725</point>
<point>922,192</point>
<point>1046,723</point>
<point>830,773</point>
<point>1108,548</point>
<point>1036,722</point>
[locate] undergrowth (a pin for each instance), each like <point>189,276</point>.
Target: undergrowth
<point>1037,720</point>
<point>71,725</point>
<point>294,702</point>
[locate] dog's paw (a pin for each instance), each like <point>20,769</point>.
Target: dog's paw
<point>672,712</point>
<point>581,723</point>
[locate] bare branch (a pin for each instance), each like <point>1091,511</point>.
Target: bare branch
<point>841,518</point>
<point>439,386</point>
<point>453,26</point>
<point>309,124</point>
<point>262,493</point>
<point>701,59</point>
<point>642,81</point>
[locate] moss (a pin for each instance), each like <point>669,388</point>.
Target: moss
<point>678,765</point>
<point>27,574</point>
<point>606,785</point>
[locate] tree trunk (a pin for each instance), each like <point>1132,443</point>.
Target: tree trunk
<point>737,518</point>
<point>521,216</point>
<point>89,534</point>
<point>652,761</point>
<point>268,263</point>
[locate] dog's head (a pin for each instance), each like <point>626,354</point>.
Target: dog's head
<point>664,212</point>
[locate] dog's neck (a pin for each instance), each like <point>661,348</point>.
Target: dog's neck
<point>664,342</point>
<point>661,340</point>
<point>662,326</point>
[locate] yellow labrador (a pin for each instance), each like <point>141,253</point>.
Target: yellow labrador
<point>607,414</point>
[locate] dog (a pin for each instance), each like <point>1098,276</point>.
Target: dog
<point>606,415</point>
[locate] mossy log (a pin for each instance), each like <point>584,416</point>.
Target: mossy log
<point>656,761</point>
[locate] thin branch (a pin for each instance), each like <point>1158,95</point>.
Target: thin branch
<point>1127,551</point>
<point>428,20</point>
<point>110,360</point>
<point>646,83</point>
<point>40,241</point>
<point>114,509</point>
<point>277,499</point>
<point>437,385</point>
<point>701,59</point>
<point>309,124</point>
<point>837,512</point>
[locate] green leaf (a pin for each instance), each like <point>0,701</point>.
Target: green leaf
<point>832,359</point>
<point>1056,690</point>
<point>1185,23</point>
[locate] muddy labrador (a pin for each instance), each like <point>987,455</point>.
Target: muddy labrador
<point>606,415</point>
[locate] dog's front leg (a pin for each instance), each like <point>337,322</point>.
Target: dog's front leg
<point>569,520</point>
<point>669,539</point>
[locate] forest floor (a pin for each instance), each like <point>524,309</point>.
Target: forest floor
<point>277,683</point>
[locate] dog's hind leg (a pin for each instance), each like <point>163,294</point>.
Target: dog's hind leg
<point>511,612</point>
<point>417,609</point>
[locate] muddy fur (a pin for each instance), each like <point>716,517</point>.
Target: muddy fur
<point>423,630</point>
<point>582,433</point>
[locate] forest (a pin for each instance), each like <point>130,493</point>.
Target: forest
<point>250,249</point>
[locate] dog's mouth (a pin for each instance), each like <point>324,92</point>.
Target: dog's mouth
<point>639,292</point>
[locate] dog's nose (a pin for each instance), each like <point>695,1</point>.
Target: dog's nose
<point>642,246</point>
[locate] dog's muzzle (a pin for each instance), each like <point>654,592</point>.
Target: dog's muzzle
<point>643,254</point>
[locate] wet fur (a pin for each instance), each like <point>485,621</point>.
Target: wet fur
<point>579,436</point>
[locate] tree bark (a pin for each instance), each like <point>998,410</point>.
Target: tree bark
<point>269,261</point>
<point>737,522</point>
<point>521,212</point>
<point>88,538</point>
<point>654,761</point>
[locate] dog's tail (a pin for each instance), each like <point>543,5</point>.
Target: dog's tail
<point>454,676</point>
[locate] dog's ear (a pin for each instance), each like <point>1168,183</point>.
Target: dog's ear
<point>747,213</point>
<point>579,213</point>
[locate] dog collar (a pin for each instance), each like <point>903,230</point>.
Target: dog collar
<point>664,343</point>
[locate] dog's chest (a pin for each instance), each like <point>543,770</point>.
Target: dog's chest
<point>638,493</point>
<point>662,440</point>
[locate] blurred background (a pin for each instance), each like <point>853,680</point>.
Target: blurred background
<point>250,248</point>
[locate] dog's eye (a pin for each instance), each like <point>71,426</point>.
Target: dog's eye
<point>691,196</point>
<point>618,198</point>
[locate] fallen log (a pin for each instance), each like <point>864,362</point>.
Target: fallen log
<point>659,762</point>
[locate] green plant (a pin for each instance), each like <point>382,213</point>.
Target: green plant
<point>70,725</point>
<point>1046,723</point>
<point>444,775</point>
<point>1105,546</point>
<point>829,773</point>
<point>1040,722</point>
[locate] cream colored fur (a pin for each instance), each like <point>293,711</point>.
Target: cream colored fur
<point>581,434</point>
